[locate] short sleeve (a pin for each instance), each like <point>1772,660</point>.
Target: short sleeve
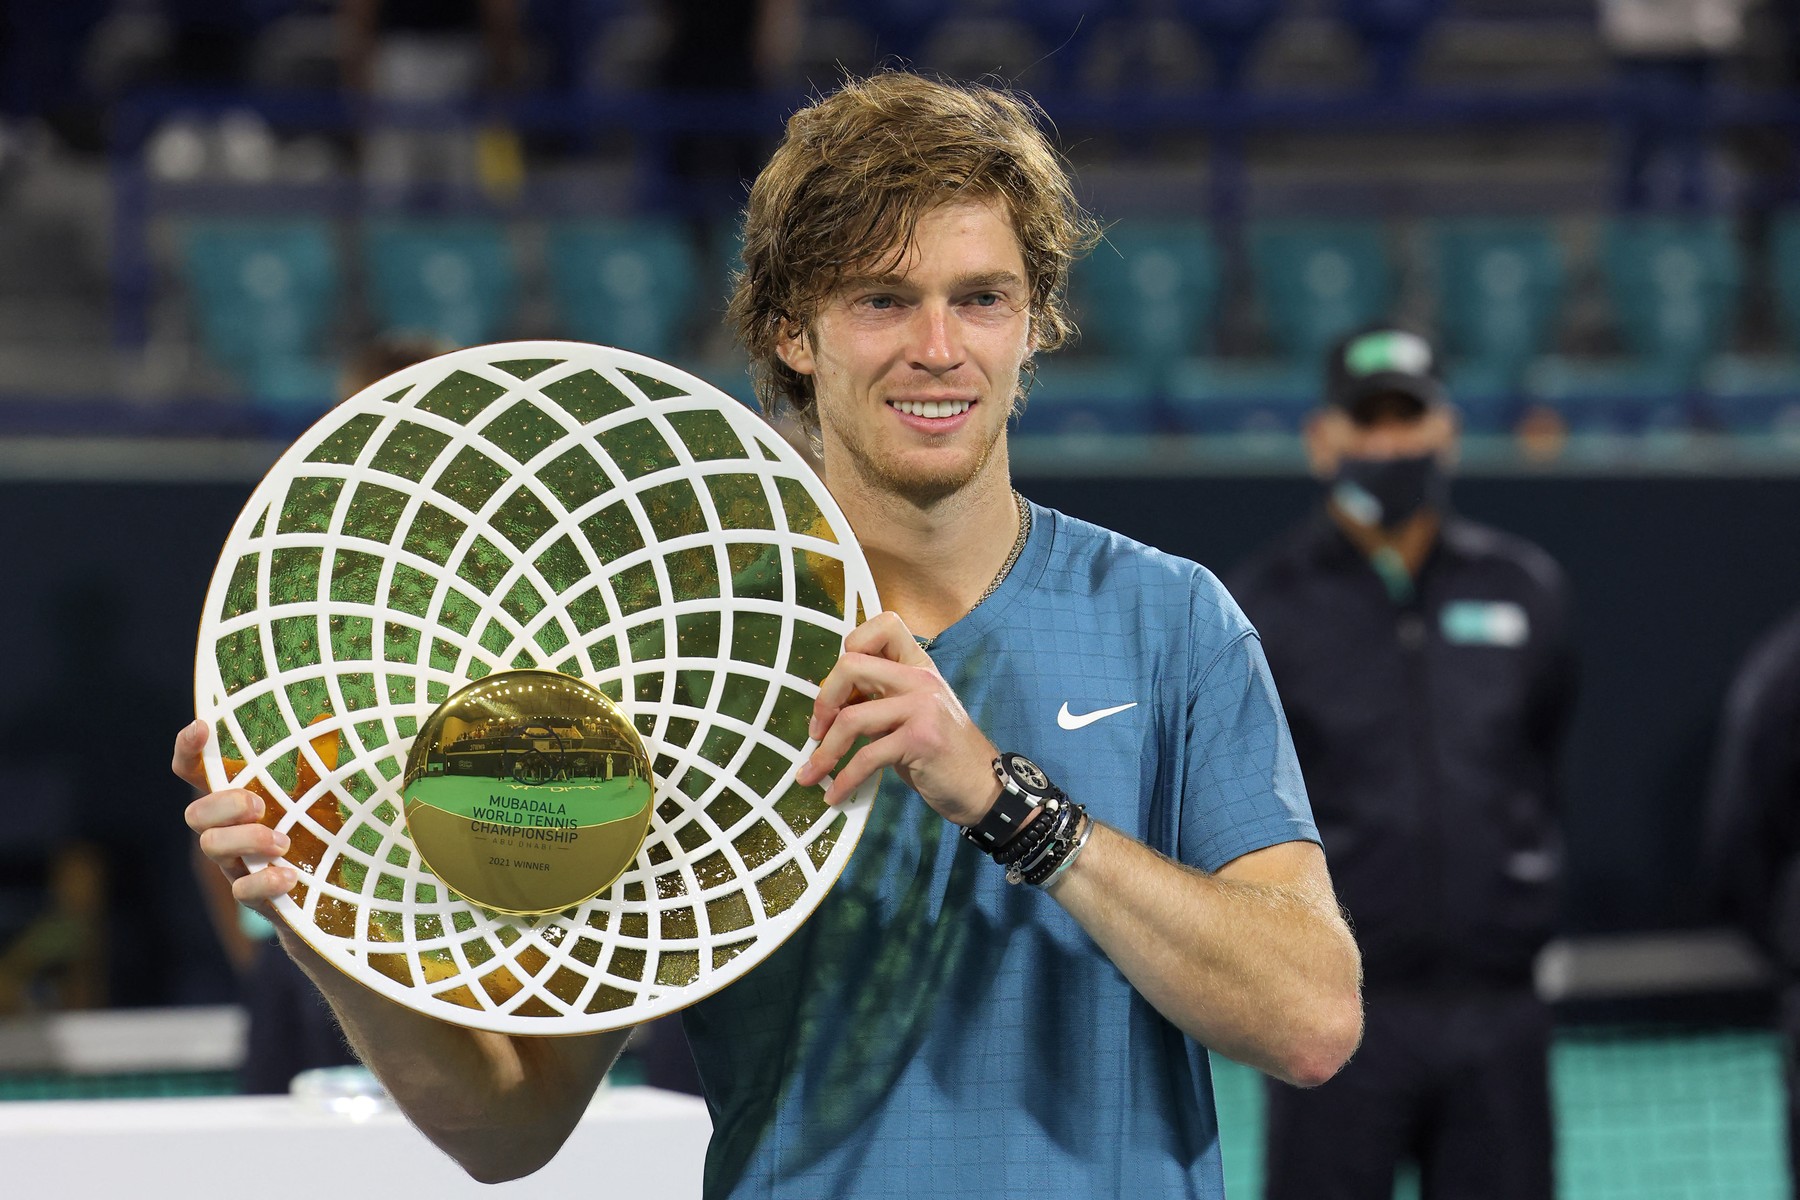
<point>1241,788</point>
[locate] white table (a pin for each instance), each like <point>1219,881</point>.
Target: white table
<point>633,1142</point>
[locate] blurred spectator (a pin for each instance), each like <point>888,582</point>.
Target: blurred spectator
<point>1668,53</point>
<point>1424,664</point>
<point>210,40</point>
<point>443,54</point>
<point>79,859</point>
<point>1753,825</point>
<point>725,51</point>
<point>53,897</point>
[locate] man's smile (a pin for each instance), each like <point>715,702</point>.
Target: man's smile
<point>934,409</point>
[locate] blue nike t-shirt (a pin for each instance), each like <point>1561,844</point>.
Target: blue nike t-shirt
<point>935,1032</point>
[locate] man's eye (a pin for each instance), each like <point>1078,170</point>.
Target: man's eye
<point>987,299</point>
<point>878,301</point>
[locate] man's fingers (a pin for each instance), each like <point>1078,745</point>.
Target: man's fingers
<point>239,841</point>
<point>871,718</point>
<point>259,887</point>
<point>232,806</point>
<point>885,635</point>
<point>880,658</point>
<point>230,828</point>
<point>883,752</point>
<point>190,743</point>
<point>863,677</point>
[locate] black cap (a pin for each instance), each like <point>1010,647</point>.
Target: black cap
<point>1382,360</point>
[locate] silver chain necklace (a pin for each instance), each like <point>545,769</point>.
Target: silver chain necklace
<point>1018,546</point>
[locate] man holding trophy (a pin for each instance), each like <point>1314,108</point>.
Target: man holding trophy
<point>1093,716</point>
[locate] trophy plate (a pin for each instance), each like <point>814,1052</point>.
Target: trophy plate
<point>533,513</point>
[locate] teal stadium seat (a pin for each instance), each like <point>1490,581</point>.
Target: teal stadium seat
<point>629,284</point>
<point>1500,288</point>
<point>1760,396</point>
<point>263,294</point>
<point>1314,280</point>
<point>452,279</point>
<point>1672,284</point>
<point>1076,396</point>
<point>1147,294</point>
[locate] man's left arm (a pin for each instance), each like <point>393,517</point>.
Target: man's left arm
<point>1253,959</point>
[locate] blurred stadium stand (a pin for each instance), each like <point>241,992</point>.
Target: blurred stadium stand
<point>1278,169</point>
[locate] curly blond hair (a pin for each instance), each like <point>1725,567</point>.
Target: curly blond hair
<point>846,188</point>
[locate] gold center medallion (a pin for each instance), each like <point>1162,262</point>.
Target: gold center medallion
<point>528,792</point>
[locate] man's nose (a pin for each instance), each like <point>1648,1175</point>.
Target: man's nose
<point>938,341</point>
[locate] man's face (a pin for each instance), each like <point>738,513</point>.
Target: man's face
<point>915,369</point>
<point>1391,432</point>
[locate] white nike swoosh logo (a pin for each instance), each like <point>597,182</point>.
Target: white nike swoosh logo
<point>1069,720</point>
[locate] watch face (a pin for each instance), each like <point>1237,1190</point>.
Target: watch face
<point>1028,774</point>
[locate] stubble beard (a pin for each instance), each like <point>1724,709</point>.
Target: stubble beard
<point>878,472</point>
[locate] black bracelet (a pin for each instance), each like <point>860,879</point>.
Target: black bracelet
<point>1059,839</point>
<point>1033,829</point>
<point>1031,839</point>
<point>1052,825</point>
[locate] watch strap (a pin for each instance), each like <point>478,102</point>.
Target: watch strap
<point>1023,789</point>
<point>1002,822</point>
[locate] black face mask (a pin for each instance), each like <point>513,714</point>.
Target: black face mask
<point>1388,491</point>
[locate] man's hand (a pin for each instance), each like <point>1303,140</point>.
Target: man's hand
<point>500,1105</point>
<point>229,825</point>
<point>886,689</point>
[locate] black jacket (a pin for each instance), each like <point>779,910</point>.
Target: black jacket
<point>1429,728</point>
<point>1753,815</point>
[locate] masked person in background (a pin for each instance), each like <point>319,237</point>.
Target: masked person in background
<point>1425,665</point>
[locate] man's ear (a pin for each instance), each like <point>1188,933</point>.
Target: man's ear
<point>794,348</point>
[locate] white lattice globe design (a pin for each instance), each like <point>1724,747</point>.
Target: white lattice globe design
<point>570,508</point>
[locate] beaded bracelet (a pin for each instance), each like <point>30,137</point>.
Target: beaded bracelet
<point>1030,840</point>
<point>1038,866</point>
<point>1056,826</point>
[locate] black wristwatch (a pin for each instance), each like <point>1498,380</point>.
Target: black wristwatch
<point>1023,788</point>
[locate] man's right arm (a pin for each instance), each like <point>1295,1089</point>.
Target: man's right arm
<point>500,1105</point>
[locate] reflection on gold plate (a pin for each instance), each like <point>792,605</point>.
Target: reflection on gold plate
<point>528,792</point>
<point>600,526</point>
